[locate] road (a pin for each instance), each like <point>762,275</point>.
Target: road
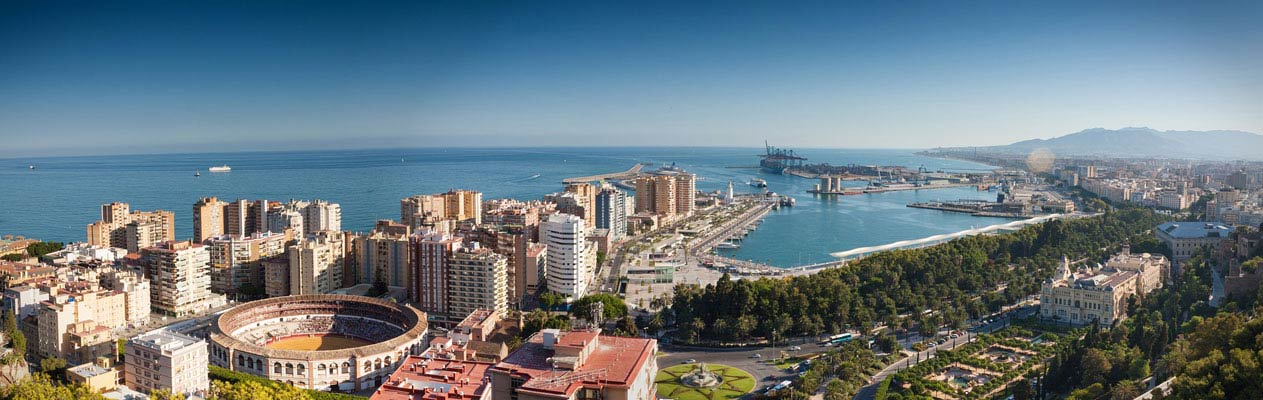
<point>763,369</point>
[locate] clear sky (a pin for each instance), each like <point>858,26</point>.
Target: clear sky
<point>124,77</point>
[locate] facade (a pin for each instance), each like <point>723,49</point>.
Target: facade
<point>553,364</point>
<point>179,277</point>
<point>585,193</point>
<point>431,271</point>
<point>1185,238</point>
<point>122,228</point>
<point>137,294</point>
<point>611,212</point>
<point>384,255</point>
<point>316,263</point>
<point>167,360</point>
<point>208,218</point>
<point>1154,269</point>
<point>441,211</point>
<point>568,269</point>
<point>666,194</point>
<point>23,300</point>
<point>236,261</point>
<point>1099,295</point>
<point>77,320</point>
<point>239,340</point>
<point>478,279</point>
<point>99,376</point>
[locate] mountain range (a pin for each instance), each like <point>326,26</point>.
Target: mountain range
<point>1147,142</point>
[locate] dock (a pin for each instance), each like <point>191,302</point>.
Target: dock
<point>630,173</point>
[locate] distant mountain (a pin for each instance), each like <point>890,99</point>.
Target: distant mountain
<point>1146,142</point>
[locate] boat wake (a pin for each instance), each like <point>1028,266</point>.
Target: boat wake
<point>529,178</point>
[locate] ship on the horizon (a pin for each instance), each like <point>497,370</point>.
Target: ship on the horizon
<point>221,168</point>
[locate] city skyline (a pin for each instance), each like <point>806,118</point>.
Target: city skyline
<point>137,78</point>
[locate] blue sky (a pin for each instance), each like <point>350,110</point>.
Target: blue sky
<point>128,77</point>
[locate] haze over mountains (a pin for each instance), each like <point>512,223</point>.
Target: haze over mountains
<point>1147,142</point>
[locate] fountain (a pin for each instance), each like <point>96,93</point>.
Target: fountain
<point>701,378</point>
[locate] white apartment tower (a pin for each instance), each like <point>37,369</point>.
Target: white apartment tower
<point>568,268</point>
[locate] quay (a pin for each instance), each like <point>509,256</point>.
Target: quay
<point>977,208</point>
<point>849,191</point>
<point>700,248</point>
<point>630,173</point>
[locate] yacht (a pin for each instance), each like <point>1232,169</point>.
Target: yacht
<point>727,245</point>
<point>221,168</point>
<point>758,183</point>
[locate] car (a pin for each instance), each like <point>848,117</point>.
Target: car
<point>689,361</point>
<point>756,355</point>
<point>953,336</point>
<point>795,348</point>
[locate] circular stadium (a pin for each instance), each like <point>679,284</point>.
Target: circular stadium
<point>324,342</point>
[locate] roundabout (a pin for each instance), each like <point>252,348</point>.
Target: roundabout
<point>703,382</point>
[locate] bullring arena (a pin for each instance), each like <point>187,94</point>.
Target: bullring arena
<point>323,342</point>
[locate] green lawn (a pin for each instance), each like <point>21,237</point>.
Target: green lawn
<point>736,383</point>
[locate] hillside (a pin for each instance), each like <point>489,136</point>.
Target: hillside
<point>1146,142</point>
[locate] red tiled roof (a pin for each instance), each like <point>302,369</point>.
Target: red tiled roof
<point>419,378</point>
<point>612,361</point>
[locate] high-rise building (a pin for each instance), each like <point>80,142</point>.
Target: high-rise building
<point>568,268</point>
<point>519,213</point>
<point>167,360</point>
<point>1239,180</point>
<point>478,279</point>
<point>685,193</point>
<point>430,268</point>
<point>666,194</point>
<point>316,263</point>
<point>285,218</point>
<point>320,215</point>
<point>179,277</point>
<point>236,260</point>
<point>383,255</point>
<point>122,228</point>
<point>441,211</point>
<point>244,217</point>
<point>611,212</point>
<point>208,218</point>
<point>513,242</point>
<point>587,200</point>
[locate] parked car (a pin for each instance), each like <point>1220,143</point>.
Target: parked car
<point>795,348</point>
<point>756,355</point>
<point>689,361</point>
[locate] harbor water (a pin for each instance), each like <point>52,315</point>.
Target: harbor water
<point>62,195</point>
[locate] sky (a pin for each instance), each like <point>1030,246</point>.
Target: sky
<point>176,76</point>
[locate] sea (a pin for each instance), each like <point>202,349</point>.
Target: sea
<point>62,195</point>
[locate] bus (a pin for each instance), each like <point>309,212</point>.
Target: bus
<point>838,339</point>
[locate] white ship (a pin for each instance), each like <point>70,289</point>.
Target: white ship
<point>221,168</point>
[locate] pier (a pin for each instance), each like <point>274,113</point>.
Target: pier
<point>700,248</point>
<point>630,173</point>
<point>977,208</point>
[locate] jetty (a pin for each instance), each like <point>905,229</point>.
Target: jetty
<point>630,173</point>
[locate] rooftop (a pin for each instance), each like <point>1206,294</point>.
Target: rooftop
<point>1195,229</point>
<point>419,377</point>
<point>88,370</point>
<point>575,358</point>
<point>164,340</point>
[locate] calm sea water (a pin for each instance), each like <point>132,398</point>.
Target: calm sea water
<point>58,199</point>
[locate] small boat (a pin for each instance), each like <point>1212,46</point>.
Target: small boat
<point>196,173</point>
<point>30,167</point>
<point>221,168</point>
<point>727,245</point>
<point>759,183</point>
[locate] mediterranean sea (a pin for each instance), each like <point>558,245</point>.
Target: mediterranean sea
<point>62,195</point>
